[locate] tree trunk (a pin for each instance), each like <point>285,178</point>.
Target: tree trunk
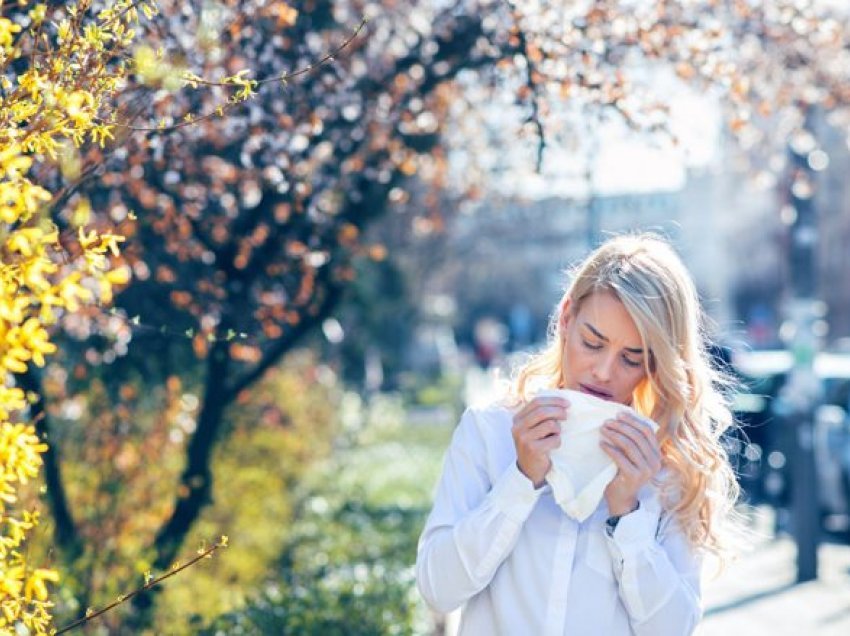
<point>64,530</point>
<point>195,488</point>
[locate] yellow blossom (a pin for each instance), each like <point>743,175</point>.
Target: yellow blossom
<point>8,29</point>
<point>35,585</point>
<point>57,100</point>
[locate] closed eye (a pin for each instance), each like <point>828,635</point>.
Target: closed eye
<point>632,363</point>
<point>590,345</point>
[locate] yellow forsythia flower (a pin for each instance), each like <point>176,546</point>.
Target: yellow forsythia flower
<point>65,83</point>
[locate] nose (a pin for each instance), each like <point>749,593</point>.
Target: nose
<point>604,367</point>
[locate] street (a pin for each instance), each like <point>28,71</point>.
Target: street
<point>757,594</point>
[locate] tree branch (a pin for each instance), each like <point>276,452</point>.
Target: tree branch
<point>333,295</point>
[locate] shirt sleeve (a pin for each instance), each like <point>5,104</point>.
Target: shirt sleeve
<point>474,524</point>
<point>658,574</point>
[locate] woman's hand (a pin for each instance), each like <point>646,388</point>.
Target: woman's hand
<point>632,444</point>
<point>536,431</point>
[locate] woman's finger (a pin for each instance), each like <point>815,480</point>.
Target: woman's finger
<point>549,423</point>
<point>647,445</point>
<point>528,436</point>
<point>534,414</point>
<point>543,429</point>
<point>624,464</point>
<point>625,444</point>
<point>547,443</point>
<point>643,425</point>
<point>545,401</point>
<point>557,403</point>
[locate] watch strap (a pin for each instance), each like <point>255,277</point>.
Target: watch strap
<point>613,520</point>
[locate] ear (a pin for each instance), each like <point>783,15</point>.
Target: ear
<point>565,313</point>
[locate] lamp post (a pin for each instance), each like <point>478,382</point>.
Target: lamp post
<point>592,210</point>
<point>805,313</point>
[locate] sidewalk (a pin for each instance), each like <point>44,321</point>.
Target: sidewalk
<point>757,594</point>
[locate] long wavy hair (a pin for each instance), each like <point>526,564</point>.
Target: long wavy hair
<point>682,390</point>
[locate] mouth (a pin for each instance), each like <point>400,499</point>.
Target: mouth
<point>595,391</point>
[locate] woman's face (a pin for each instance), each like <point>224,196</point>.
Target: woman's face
<point>602,353</point>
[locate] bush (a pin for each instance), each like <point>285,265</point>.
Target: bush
<point>347,567</point>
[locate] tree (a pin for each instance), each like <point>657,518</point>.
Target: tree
<point>56,81</point>
<point>767,63</point>
<point>250,224</point>
<point>62,70</point>
<point>244,232</point>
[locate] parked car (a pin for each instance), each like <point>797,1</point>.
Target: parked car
<point>767,442</point>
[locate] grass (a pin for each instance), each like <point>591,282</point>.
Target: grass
<point>348,564</point>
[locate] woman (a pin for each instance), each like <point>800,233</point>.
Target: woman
<point>627,330</point>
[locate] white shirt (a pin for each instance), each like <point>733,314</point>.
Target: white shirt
<point>519,565</point>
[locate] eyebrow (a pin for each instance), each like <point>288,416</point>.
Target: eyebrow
<point>636,351</point>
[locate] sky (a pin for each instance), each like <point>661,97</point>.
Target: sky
<point>625,162</point>
<point>621,161</point>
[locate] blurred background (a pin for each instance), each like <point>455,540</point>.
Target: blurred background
<point>323,277</point>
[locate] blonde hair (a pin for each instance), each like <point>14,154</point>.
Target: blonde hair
<point>682,391</point>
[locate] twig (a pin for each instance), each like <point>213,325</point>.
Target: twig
<point>285,77</point>
<point>222,108</point>
<point>126,597</point>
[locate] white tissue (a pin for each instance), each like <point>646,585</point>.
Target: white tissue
<point>581,470</point>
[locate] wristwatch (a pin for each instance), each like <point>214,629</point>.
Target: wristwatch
<point>611,522</point>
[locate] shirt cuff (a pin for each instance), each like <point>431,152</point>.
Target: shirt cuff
<point>514,494</point>
<point>634,532</point>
